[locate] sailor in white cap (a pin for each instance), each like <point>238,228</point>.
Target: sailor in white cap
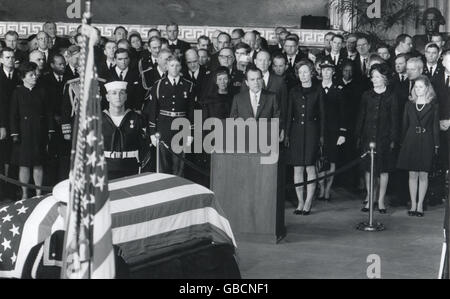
<point>126,142</point>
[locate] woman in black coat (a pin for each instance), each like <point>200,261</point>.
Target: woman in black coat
<point>420,132</point>
<point>335,128</point>
<point>304,132</point>
<point>217,103</point>
<point>377,122</point>
<point>30,123</point>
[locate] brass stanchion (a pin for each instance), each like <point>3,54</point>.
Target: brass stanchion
<point>157,136</point>
<point>371,226</point>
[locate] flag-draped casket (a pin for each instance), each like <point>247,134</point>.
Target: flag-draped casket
<point>152,214</point>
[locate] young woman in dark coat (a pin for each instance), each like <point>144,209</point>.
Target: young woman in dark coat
<point>377,122</point>
<point>304,132</point>
<point>335,128</point>
<point>31,126</point>
<point>420,140</point>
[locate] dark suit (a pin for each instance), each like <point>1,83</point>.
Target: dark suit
<point>277,85</point>
<point>60,43</point>
<point>7,87</point>
<point>182,45</point>
<point>199,82</point>
<point>104,69</point>
<point>149,78</point>
<point>267,107</point>
<point>341,60</point>
<point>146,61</point>
<point>437,70</point>
<point>69,74</point>
<point>55,95</point>
<point>275,49</point>
<point>135,91</point>
<point>358,73</point>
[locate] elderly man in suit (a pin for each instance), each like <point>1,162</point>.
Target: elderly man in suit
<point>255,102</point>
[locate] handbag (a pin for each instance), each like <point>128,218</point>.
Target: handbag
<point>322,164</point>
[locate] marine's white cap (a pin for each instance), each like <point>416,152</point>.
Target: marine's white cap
<point>116,85</point>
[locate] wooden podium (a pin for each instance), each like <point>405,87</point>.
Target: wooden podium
<point>251,193</point>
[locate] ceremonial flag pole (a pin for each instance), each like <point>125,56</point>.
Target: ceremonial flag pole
<point>88,251</point>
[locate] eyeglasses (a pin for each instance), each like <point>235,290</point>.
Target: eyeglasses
<point>362,45</point>
<point>226,57</point>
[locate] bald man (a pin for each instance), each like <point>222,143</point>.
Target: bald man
<point>195,73</point>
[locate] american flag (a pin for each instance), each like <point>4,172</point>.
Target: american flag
<point>23,225</point>
<point>88,251</point>
<point>152,214</point>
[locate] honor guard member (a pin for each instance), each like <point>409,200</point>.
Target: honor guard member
<point>45,260</point>
<point>170,98</point>
<point>124,132</point>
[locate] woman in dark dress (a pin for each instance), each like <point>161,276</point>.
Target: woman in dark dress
<point>217,103</point>
<point>335,128</point>
<point>377,122</point>
<point>304,132</point>
<point>420,135</point>
<point>31,123</point>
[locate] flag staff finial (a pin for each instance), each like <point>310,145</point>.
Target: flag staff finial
<point>87,15</point>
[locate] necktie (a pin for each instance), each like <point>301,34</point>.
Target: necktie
<point>364,66</point>
<point>447,82</point>
<point>254,103</point>
<point>121,76</point>
<point>290,61</point>
<point>10,76</point>
<point>431,71</point>
<point>403,78</point>
<point>76,73</point>
<point>333,58</point>
<point>193,77</point>
<point>174,82</point>
<point>111,66</point>
<point>59,78</point>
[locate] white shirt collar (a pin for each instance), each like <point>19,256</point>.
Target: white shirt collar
<point>328,85</point>
<point>258,94</point>
<point>173,42</point>
<point>195,73</point>
<point>57,76</point>
<point>118,71</point>
<point>347,82</point>
<point>6,72</point>
<point>266,78</point>
<point>433,66</point>
<point>177,79</point>
<point>161,73</point>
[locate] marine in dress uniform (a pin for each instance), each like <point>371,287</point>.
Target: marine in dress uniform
<point>124,131</point>
<point>171,98</point>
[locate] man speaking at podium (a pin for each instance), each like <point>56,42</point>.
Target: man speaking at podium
<point>255,102</point>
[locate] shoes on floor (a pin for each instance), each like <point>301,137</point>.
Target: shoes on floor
<point>365,210</point>
<point>419,214</point>
<point>411,213</point>
<point>298,212</point>
<point>382,211</point>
